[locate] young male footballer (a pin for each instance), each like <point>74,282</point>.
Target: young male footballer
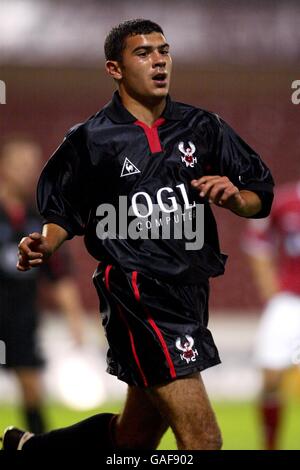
<point>167,162</point>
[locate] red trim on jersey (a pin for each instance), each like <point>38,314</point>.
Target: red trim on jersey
<point>136,358</point>
<point>152,134</point>
<point>154,326</point>
<point>106,275</point>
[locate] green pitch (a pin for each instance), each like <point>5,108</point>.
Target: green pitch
<point>238,422</point>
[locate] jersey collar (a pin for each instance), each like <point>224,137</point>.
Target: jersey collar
<point>117,113</point>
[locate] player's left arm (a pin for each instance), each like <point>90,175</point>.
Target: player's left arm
<point>238,179</point>
<point>221,191</point>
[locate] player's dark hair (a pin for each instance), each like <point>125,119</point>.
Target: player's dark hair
<point>115,40</point>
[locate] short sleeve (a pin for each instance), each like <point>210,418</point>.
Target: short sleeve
<point>243,166</point>
<point>63,190</point>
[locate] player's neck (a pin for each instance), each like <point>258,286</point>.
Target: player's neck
<point>147,112</point>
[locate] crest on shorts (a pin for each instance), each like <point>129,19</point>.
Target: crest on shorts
<point>188,154</point>
<point>185,345</point>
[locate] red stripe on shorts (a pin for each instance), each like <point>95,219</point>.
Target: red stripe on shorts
<point>106,275</point>
<point>135,287</point>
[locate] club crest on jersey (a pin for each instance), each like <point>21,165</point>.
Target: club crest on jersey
<point>188,153</point>
<point>129,168</point>
<point>185,345</point>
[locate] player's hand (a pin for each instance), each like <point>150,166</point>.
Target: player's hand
<point>219,190</point>
<point>33,251</point>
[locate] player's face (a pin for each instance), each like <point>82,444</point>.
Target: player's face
<point>19,167</point>
<point>146,66</point>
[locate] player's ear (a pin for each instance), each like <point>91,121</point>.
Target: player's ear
<point>113,69</point>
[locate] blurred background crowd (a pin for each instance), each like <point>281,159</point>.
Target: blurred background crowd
<point>236,58</point>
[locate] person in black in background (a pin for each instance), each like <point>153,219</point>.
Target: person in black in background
<point>20,159</point>
<point>153,291</point>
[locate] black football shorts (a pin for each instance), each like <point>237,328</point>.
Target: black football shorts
<point>156,331</point>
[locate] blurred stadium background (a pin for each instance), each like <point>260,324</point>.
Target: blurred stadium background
<point>236,58</point>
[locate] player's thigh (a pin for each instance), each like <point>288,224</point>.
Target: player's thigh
<point>186,406</point>
<point>140,422</point>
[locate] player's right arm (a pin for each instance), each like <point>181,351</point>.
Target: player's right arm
<point>35,249</point>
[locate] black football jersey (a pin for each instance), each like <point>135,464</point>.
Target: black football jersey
<point>114,164</point>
